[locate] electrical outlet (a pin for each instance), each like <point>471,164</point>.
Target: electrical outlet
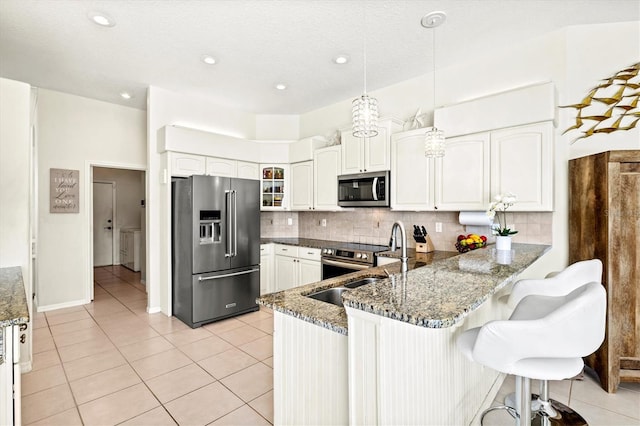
<point>323,222</point>
<point>289,221</point>
<point>438,226</point>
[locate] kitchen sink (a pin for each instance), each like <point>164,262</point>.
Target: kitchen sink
<point>361,282</point>
<point>334,295</point>
<point>330,295</point>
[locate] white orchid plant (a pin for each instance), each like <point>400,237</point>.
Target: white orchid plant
<point>498,209</point>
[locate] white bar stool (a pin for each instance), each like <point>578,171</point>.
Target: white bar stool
<point>569,326</point>
<point>555,284</point>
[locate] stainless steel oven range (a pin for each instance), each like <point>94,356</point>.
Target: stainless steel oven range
<point>345,258</point>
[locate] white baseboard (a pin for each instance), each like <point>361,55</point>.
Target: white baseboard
<point>25,367</point>
<point>71,304</point>
<point>153,310</point>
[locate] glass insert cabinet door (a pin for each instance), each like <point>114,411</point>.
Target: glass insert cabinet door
<point>273,187</point>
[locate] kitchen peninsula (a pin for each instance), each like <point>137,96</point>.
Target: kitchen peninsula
<point>14,316</point>
<point>397,362</point>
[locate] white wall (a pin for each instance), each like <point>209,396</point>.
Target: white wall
<point>277,127</point>
<point>73,133</point>
<point>15,190</point>
<point>15,152</point>
<point>129,192</point>
<point>617,47</point>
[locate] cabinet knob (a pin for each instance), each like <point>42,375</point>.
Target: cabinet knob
<point>23,327</point>
<point>23,338</point>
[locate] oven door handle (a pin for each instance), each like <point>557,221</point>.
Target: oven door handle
<point>345,264</point>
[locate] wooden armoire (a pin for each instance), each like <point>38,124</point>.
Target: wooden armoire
<point>604,223</point>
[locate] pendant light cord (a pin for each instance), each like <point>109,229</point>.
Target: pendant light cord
<point>364,20</point>
<point>433,124</point>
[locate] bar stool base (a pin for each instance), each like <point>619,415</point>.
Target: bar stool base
<point>565,416</point>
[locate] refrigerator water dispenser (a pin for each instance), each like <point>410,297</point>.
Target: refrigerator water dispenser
<point>209,226</point>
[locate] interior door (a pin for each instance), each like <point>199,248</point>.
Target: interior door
<point>103,194</point>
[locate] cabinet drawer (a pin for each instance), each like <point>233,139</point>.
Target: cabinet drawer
<point>266,249</point>
<point>309,253</point>
<point>284,250</point>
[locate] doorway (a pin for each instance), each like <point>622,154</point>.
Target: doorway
<point>104,205</point>
<point>117,204</point>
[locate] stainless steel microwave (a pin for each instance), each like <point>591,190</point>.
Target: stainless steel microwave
<point>364,190</point>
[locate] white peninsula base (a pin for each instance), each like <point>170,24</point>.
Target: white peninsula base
<point>310,380</point>
<point>402,374</point>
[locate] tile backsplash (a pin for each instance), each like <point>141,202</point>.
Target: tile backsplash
<point>373,226</point>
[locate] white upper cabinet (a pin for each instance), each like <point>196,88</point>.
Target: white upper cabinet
<point>221,167</point>
<point>248,170</point>
<point>187,164</point>
<point>411,172</point>
<point>302,186</point>
<point>191,164</point>
<point>326,168</point>
<point>522,163</point>
<point>462,175</point>
<point>474,169</point>
<point>362,155</point>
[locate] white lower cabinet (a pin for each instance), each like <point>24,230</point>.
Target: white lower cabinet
<point>10,379</point>
<point>295,266</point>
<point>266,269</point>
<point>381,261</point>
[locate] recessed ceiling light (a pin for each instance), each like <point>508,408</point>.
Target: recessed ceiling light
<point>126,95</point>
<point>102,19</point>
<point>281,86</point>
<point>209,60</point>
<point>341,59</point>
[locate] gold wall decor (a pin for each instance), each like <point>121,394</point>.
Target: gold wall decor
<point>610,106</point>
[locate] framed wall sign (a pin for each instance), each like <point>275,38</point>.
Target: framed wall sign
<point>64,191</point>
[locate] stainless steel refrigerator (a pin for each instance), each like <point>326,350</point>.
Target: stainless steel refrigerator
<point>215,248</point>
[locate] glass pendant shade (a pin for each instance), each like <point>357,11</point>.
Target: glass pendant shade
<point>434,143</point>
<point>365,116</point>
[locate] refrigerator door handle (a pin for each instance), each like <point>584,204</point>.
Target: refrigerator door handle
<point>250,271</point>
<point>234,195</point>
<point>228,249</point>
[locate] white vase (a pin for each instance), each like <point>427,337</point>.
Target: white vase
<point>503,242</point>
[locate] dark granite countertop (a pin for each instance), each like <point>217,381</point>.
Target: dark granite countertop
<point>439,290</point>
<point>13,300</point>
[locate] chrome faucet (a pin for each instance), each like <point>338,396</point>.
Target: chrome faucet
<point>393,244</point>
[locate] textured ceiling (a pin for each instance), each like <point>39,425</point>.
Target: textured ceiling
<point>53,45</point>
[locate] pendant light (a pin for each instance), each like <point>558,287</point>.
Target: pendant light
<point>434,140</point>
<point>365,108</point>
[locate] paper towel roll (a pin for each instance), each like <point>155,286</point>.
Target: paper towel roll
<point>475,218</point>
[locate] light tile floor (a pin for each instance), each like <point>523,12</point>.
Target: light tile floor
<point>109,362</point>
